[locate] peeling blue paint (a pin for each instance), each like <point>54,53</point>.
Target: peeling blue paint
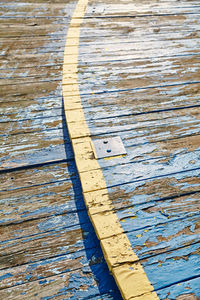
<point>5,276</point>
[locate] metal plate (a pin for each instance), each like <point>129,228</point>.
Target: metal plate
<point>109,147</point>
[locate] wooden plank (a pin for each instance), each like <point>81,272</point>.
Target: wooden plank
<point>13,76</point>
<point>52,227</point>
<point>145,26</point>
<point>129,75</point>
<point>156,147</point>
<point>31,61</point>
<point>42,107</point>
<point>140,30</point>
<point>154,189</point>
<point>31,143</point>
<point>126,48</point>
<point>149,127</point>
<point>161,266</point>
<point>34,20</point>
<point>184,290</point>
<point>39,192</point>
<point>45,268</point>
<point>103,105</point>
<point>151,53</point>
<point>140,9</point>
<point>132,217</point>
<point>140,101</point>
<point>123,174</point>
<point>33,177</point>
<point>15,43</point>
<point>141,220</point>
<point>34,9</point>
<point>34,148</point>
<point>38,202</point>
<point>25,30</point>
<point>71,205</point>
<point>164,237</point>
<point>37,241</point>
<point>81,283</point>
<point>31,125</point>
<point>177,65</point>
<point>161,152</point>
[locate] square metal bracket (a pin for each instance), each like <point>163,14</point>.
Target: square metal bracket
<point>109,147</point>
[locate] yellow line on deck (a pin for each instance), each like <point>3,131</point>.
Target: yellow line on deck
<point>121,259</point>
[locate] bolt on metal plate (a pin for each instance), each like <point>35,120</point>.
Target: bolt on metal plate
<point>109,147</point>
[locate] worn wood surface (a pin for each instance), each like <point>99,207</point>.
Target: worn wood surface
<point>48,247</point>
<point>139,79</point>
<point>139,75</point>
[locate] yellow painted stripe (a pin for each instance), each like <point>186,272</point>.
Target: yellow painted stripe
<point>121,259</point>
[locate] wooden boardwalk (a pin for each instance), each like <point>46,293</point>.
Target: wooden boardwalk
<point>48,246</point>
<point>138,75</point>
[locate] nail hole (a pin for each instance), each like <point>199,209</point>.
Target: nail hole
<point>105,142</point>
<point>108,150</point>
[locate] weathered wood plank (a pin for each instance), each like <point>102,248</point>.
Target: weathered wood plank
<point>31,60</point>
<point>75,262</point>
<point>155,189</point>
<point>146,215</point>
<point>70,236</point>
<point>135,47</point>
<point>109,8</point>
<point>36,20</point>
<point>38,202</point>
<point>155,122</point>
<point>162,151</point>
<point>14,30</point>
<point>78,284</point>
<point>43,107</point>
<point>44,268</point>
<point>110,50</point>
<point>118,26</point>
<point>182,262</point>
<point>39,192</point>
<point>141,29</point>
<point>129,75</point>
<point>140,101</point>
<point>104,105</point>
<point>42,42</point>
<point>122,174</point>
<point>189,290</point>
<point>34,148</point>
<point>31,125</point>
<point>14,76</point>
<point>146,127</point>
<point>165,237</point>
<point>25,9</point>
<point>172,260</point>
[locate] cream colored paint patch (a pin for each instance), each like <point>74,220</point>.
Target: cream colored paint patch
<point>121,259</point>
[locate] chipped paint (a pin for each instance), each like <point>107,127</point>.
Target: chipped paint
<point>106,224</point>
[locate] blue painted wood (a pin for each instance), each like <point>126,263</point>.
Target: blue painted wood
<point>80,283</point>
<point>186,290</point>
<point>141,83</point>
<point>135,82</point>
<point>48,248</point>
<point>170,268</point>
